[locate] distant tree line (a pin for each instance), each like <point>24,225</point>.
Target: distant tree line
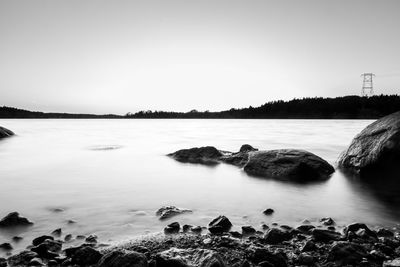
<point>346,107</point>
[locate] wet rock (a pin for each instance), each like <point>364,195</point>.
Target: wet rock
<point>305,259</point>
<point>36,262</point>
<point>219,225</point>
<point>264,227</point>
<point>80,237</point>
<point>57,232</point>
<point>268,211</point>
<point>203,155</point>
<point>6,246</point>
<point>260,255</point>
<point>197,229</point>
<point>323,235</point>
<point>71,221</point>
<point>375,148</point>
<point>52,263</point>
<point>22,259</point>
<point>3,262</point>
<point>189,258</point>
<point>355,227</point>
<point>86,256</point>
<point>14,219</point>
<point>167,212</point>
<point>4,132</point>
<point>186,228</point>
<point>248,230</point>
<point>305,228</point>
<point>343,253</point>
<point>235,234</point>
<point>247,148</point>
<point>123,258</point>
<point>91,239</point>
<point>276,236</point>
<point>239,158</point>
<point>39,240</point>
<point>288,164</point>
<point>392,263</point>
<point>172,228</point>
<point>17,238</point>
<point>384,232</point>
<point>309,246</point>
<point>68,238</point>
<point>327,221</point>
<point>48,249</point>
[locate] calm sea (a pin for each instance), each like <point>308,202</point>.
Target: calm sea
<point>110,176</point>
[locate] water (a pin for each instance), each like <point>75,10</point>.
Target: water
<point>110,176</point>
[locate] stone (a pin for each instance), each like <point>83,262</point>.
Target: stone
<point>235,234</point>
<point>268,211</point>
<point>123,258</point>
<point>22,259</point>
<point>68,238</point>
<point>172,228</point>
<point>343,253</point>
<point>204,155</point>
<point>327,221</point>
<point>186,228</point>
<point>322,235</point>
<point>291,164</point>
<point>376,148</point>
<point>384,232</point>
<point>305,259</point>
<point>91,239</point>
<point>48,249</point>
<point>219,225</point>
<point>4,132</point>
<point>167,212</point>
<point>392,263</point>
<point>14,219</point>
<point>248,230</point>
<point>305,228</point>
<point>197,229</point>
<point>39,240</point>
<point>276,236</point>
<point>3,262</point>
<point>189,258</point>
<point>309,246</point>
<point>6,246</point>
<point>57,232</point>
<point>86,256</point>
<point>260,255</point>
<point>354,227</point>
<point>17,238</point>
<point>36,262</point>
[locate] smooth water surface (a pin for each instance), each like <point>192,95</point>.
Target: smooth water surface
<point>110,176</point>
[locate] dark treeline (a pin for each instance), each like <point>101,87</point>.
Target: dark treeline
<point>9,112</point>
<point>347,107</point>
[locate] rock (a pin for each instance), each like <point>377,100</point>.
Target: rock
<point>91,239</point>
<point>204,155</point>
<point>167,212</point>
<point>14,219</point>
<point>71,222</point>
<point>355,227</point>
<point>79,237</point>
<point>288,164</point>
<point>247,148</point>
<point>186,228</point>
<point>52,263</point>
<point>323,235</point>
<point>172,228</point>
<point>6,246</point>
<point>276,236</point>
<point>22,259</point>
<point>261,255</point>
<point>123,258</point>
<point>197,229</point>
<point>375,148</point>
<point>309,246</point>
<point>189,258</point>
<point>235,234</point>
<point>248,230</point>
<point>343,253</point>
<point>268,211</point>
<point>68,238</point>
<point>239,158</point>
<point>57,232</point>
<point>39,240</point>
<point>327,221</point>
<point>5,132</point>
<point>392,263</point>
<point>3,262</point>
<point>305,228</point>
<point>305,259</point>
<point>384,232</point>
<point>36,262</point>
<point>221,223</point>
<point>48,249</point>
<point>17,238</point>
<point>86,256</point>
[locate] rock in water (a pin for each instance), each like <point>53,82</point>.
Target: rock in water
<point>288,163</point>
<point>167,212</point>
<point>13,219</point>
<point>392,263</point>
<point>123,258</point>
<point>204,155</point>
<point>344,253</point>
<point>220,224</point>
<point>5,132</point>
<point>189,257</point>
<point>375,148</point>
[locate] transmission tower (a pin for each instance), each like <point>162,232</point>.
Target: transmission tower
<point>367,88</point>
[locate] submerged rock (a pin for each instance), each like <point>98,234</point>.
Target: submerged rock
<point>189,258</point>
<point>123,258</point>
<point>167,212</point>
<point>204,155</point>
<point>376,148</point>
<point>14,219</point>
<point>172,228</point>
<point>4,132</point>
<point>288,163</point>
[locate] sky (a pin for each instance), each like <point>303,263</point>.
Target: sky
<point>117,56</point>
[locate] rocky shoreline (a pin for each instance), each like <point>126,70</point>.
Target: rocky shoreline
<point>321,244</point>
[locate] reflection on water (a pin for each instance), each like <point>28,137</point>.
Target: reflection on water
<point>49,175</point>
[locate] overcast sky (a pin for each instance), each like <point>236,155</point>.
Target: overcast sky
<point>118,56</point>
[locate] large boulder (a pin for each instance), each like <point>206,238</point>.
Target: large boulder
<point>5,132</point>
<point>288,164</point>
<point>203,155</point>
<point>14,219</point>
<point>189,258</point>
<point>375,148</point>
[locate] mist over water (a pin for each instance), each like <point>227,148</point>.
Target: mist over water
<point>110,176</point>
